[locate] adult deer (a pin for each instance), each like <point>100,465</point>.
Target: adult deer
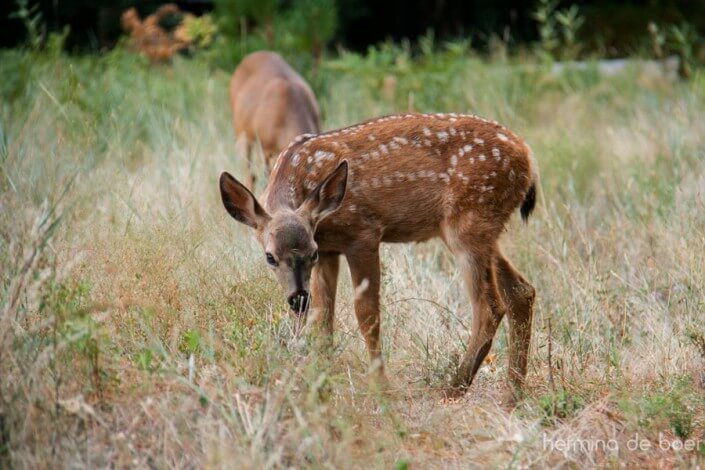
<point>272,103</point>
<point>400,178</point>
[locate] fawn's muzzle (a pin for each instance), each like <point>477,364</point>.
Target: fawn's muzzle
<point>298,301</point>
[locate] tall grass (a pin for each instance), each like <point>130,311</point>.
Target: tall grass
<point>140,328</point>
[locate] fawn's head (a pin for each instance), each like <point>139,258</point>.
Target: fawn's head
<point>287,234</point>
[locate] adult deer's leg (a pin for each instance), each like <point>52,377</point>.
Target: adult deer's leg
<point>519,296</point>
<point>487,305</point>
<point>324,283</point>
<point>244,150</point>
<point>365,273</point>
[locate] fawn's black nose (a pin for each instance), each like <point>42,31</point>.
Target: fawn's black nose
<point>298,301</point>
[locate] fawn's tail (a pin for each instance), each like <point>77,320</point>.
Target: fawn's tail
<point>527,207</point>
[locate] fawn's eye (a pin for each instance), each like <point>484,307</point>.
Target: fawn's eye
<point>270,260</point>
<point>314,257</point>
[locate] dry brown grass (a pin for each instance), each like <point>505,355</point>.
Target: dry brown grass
<point>143,329</point>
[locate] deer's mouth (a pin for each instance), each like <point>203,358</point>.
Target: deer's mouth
<point>299,302</point>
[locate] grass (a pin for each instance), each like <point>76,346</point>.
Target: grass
<point>139,326</point>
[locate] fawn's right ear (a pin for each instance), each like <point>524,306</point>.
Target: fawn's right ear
<point>241,203</point>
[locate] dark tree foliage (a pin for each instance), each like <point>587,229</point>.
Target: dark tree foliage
<point>614,26</point>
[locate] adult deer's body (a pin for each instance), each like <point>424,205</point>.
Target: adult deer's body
<point>410,178</point>
<point>272,103</point>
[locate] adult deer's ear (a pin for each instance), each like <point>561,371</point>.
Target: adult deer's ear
<point>328,195</point>
<point>241,203</point>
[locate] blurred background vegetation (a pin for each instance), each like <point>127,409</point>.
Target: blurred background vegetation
<point>301,29</point>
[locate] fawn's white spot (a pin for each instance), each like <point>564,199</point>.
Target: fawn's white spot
<point>495,153</point>
<point>371,137</point>
<point>452,131</point>
<point>321,155</point>
<point>502,137</point>
<point>453,160</point>
<point>375,183</point>
<point>467,148</point>
<point>478,141</point>
<point>375,154</point>
<point>352,208</point>
<point>426,131</point>
<point>401,140</point>
<point>296,160</point>
<point>427,143</point>
<point>361,288</point>
<point>445,177</point>
<point>442,136</point>
<point>383,148</point>
<point>482,157</point>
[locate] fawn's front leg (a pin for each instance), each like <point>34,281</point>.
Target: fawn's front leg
<point>365,273</point>
<point>324,283</point>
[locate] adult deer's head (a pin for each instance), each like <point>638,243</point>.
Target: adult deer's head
<point>287,234</point>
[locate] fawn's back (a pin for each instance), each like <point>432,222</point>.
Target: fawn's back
<point>408,174</point>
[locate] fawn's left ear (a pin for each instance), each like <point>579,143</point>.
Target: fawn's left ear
<point>328,195</point>
<point>240,203</point>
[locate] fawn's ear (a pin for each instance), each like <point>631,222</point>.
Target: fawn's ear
<point>328,195</point>
<point>241,203</point>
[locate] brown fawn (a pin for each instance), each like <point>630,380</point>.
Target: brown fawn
<point>272,103</point>
<point>401,178</point>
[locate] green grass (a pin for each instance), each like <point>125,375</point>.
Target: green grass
<point>140,327</point>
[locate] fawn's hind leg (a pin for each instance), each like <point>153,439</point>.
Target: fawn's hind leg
<point>487,306</point>
<point>519,296</point>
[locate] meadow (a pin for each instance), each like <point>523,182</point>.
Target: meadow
<point>139,325</point>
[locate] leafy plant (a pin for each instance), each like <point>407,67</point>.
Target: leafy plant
<point>680,40</point>
<point>558,30</point>
<point>559,405</point>
<point>33,22</point>
<point>312,23</point>
<point>200,31</point>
